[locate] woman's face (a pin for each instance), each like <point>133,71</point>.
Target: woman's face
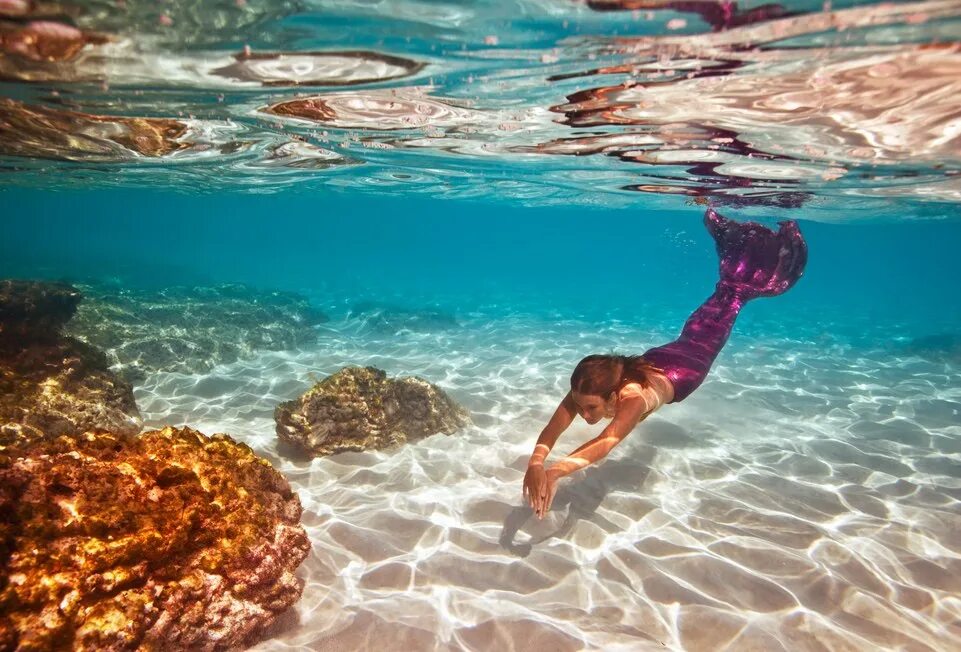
<point>591,407</point>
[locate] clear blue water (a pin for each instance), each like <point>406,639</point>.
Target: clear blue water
<point>629,264</point>
<point>806,497</point>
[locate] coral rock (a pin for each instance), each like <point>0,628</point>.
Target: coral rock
<point>32,310</point>
<point>53,383</point>
<point>944,347</point>
<point>359,408</point>
<point>189,330</point>
<point>167,540</point>
<point>384,318</point>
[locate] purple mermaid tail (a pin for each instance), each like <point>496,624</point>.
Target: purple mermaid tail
<point>755,262</point>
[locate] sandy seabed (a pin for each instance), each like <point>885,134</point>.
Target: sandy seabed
<point>806,497</point>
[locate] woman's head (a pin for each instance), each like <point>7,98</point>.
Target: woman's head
<point>598,375</point>
<point>598,378</point>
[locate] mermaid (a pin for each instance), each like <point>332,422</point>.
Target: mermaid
<point>755,262</point>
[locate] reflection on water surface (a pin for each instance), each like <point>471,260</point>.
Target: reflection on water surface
<point>829,106</point>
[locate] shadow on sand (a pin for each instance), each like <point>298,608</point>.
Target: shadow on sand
<point>580,498</point>
<point>583,494</point>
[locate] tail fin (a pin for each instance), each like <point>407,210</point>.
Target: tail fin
<point>755,261</point>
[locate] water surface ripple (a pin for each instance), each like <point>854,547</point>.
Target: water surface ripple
<point>846,109</point>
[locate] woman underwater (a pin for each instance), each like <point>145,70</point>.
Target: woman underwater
<point>755,262</point>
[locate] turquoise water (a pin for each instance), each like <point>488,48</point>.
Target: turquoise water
<point>513,186</point>
<point>631,264</point>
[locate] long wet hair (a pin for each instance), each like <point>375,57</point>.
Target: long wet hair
<point>601,374</point>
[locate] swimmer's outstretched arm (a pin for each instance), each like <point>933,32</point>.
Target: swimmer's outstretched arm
<point>562,418</point>
<point>535,480</point>
<point>630,412</point>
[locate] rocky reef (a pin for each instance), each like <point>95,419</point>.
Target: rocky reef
<point>53,383</point>
<point>190,330</point>
<point>943,347</point>
<point>166,540</point>
<point>34,311</point>
<point>359,408</point>
<point>390,319</point>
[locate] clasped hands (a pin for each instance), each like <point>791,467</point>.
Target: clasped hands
<point>540,485</point>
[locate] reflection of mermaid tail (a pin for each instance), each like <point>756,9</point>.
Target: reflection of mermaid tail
<point>719,14</point>
<point>755,262</point>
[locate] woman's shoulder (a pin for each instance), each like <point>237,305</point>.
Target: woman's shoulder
<point>658,391</point>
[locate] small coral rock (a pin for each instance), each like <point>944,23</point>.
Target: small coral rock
<point>167,540</point>
<point>64,387</point>
<point>359,408</point>
<point>50,382</point>
<point>31,310</point>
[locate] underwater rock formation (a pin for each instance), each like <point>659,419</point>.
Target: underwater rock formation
<point>382,318</point>
<point>944,347</point>
<point>359,408</point>
<point>31,310</point>
<point>190,330</point>
<point>55,384</point>
<point>167,540</point>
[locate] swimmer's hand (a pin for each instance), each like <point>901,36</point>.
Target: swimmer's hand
<point>535,485</point>
<point>540,487</point>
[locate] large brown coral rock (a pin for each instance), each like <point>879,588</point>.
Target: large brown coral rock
<point>167,540</point>
<point>359,408</point>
